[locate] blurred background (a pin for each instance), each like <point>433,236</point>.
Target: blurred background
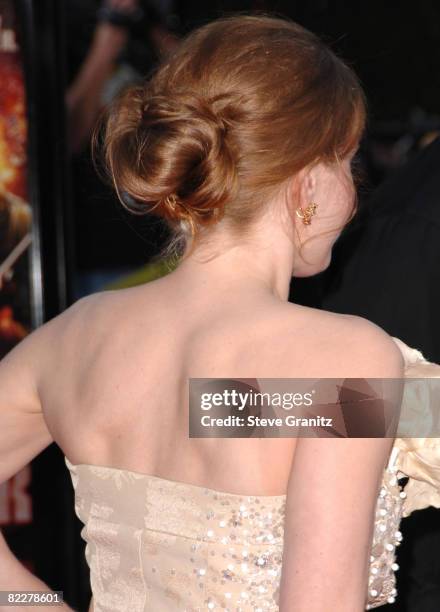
<point>63,233</point>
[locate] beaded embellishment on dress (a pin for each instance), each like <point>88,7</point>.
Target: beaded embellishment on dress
<point>159,545</point>
<point>389,509</point>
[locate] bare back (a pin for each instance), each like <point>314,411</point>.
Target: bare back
<point>107,381</point>
<point>115,385</point>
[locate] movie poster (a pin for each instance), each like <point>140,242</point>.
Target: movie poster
<point>15,211</point>
<point>15,238</point>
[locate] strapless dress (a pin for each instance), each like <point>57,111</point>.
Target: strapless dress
<point>159,545</point>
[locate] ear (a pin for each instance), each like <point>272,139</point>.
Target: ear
<point>304,186</point>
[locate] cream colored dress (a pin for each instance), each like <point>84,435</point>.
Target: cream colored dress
<point>158,545</point>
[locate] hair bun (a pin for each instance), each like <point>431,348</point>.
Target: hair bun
<point>240,107</point>
<point>171,154</point>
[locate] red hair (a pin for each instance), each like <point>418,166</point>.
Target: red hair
<point>242,105</point>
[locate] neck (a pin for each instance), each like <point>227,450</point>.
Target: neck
<point>261,262</point>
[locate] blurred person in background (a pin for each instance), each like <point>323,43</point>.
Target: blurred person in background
<point>105,70</point>
<point>110,45</point>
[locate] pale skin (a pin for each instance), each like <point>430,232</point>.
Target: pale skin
<point>101,377</point>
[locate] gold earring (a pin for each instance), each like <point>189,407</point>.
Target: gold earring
<point>306,214</point>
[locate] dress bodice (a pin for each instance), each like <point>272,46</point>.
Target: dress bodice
<point>159,545</point>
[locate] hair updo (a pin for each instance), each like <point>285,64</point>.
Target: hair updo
<point>242,105</point>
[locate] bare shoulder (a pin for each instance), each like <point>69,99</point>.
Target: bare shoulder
<point>89,320</point>
<point>68,323</point>
<point>93,313</point>
<point>370,348</point>
<point>346,345</point>
<point>55,339</point>
<point>89,326</point>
